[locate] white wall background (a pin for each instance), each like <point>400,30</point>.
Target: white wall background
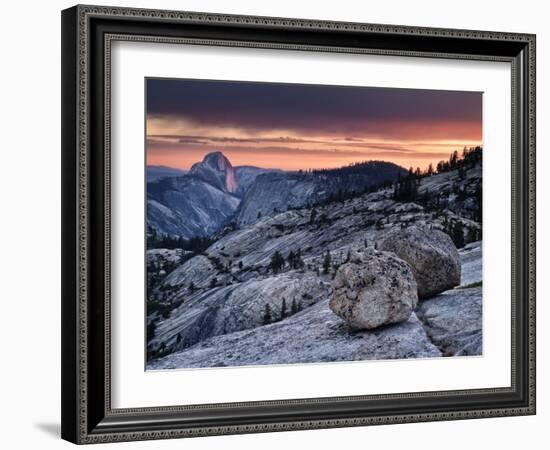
<point>30,225</point>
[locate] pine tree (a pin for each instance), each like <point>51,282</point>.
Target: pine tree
<point>295,260</point>
<point>458,234</point>
<point>406,189</point>
<point>267,314</point>
<point>472,235</point>
<point>293,306</point>
<point>283,309</point>
<point>348,256</point>
<point>277,262</point>
<point>151,328</point>
<point>478,204</point>
<point>291,258</point>
<point>299,259</point>
<point>327,262</point>
<point>191,287</point>
<point>455,158</point>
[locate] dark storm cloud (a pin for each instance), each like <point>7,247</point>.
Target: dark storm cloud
<point>307,108</point>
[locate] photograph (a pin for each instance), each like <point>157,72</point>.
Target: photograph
<point>305,223</point>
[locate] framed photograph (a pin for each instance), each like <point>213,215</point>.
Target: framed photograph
<point>268,222</point>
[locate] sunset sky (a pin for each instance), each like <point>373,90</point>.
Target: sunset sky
<point>291,126</point>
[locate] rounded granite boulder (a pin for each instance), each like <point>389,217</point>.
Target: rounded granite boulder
<point>373,289</point>
<point>432,255</point>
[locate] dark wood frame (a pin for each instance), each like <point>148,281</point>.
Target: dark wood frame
<point>87,32</point>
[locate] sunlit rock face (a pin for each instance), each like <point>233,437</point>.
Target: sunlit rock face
<point>216,169</point>
<point>197,203</point>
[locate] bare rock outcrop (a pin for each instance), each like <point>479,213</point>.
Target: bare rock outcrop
<point>471,257</point>
<point>216,169</point>
<point>238,306</point>
<point>373,289</point>
<point>431,254</point>
<point>454,321</point>
<point>312,335</point>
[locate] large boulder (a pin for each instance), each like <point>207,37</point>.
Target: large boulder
<point>373,289</point>
<point>432,255</point>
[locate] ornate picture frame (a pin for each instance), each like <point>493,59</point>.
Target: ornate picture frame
<point>88,33</point>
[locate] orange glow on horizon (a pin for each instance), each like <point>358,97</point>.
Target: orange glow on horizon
<point>285,160</point>
<point>180,143</point>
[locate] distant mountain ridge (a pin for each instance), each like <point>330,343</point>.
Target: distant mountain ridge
<point>276,192</point>
<point>156,172</point>
<point>198,202</point>
<point>214,193</point>
<point>247,175</point>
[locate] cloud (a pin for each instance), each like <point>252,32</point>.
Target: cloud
<point>312,109</point>
<point>347,146</point>
<point>299,152</point>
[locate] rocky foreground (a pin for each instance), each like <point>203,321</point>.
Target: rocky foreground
<point>449,324</point>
